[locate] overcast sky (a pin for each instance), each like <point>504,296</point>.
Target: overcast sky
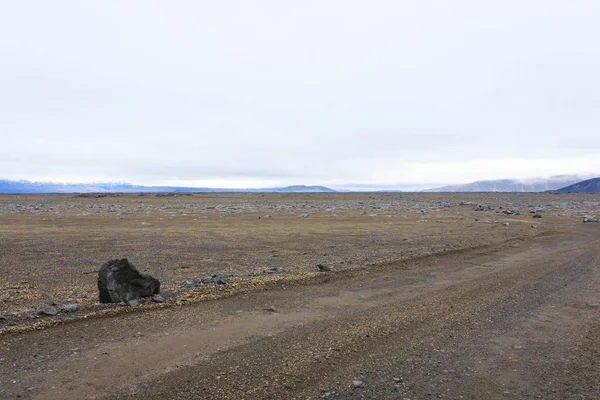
<point>265,93</point>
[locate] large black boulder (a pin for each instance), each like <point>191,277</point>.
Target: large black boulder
<point>119,281</point>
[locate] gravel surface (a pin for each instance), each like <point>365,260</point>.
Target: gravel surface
<point>476,310</point>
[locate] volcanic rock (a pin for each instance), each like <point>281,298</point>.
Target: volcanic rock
<point>119,281</point>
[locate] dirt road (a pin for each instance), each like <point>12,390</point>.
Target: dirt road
<point>516,320</point>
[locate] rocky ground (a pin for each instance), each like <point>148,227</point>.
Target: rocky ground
<point>429,296</point>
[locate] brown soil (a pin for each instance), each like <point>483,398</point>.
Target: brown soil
<point>413,309</point>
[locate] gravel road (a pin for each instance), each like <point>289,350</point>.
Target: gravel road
<point>515,320</point>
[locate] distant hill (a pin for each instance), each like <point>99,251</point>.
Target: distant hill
<point>29,187</point>
<point>304,189</point>
<point>512,185</point>
<point>22,186</point>
<point>587,186</point>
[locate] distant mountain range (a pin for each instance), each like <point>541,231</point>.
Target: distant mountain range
<point>587,186</point>
<point>303,189</point>
<point>562,183</point>
<point>513,185</point>
<point>28,187</point>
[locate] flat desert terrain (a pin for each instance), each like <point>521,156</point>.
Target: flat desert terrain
<point>430,295</point>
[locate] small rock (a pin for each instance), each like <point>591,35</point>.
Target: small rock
<point>396,379</point>
<point>221,281</point>
<point>48,310</point>
<point>506,224</point>
<point>267,216</point>
<point>356,383</point>
<point>324,268</point>
<point>11,323</point>
<point>304,215</point>
<point>271,309</point>
<point>157,298</point>
<point>537,215</point>
<point>533,225</point>
<point>187,284</point>
<point>589,218</point>
<point>593,305</point>
<point>207,280</point>
<point>133,303</point>
<point>70,308</point>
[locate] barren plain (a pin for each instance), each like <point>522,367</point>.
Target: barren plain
<point>431,295</point>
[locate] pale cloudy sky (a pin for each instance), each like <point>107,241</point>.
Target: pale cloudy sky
<point>265,93</point>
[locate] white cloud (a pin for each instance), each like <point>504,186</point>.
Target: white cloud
<point>252,94</point>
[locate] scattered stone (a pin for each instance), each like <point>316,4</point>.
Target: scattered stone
<point>303,215</point>
<point>537,215</point>
<point>48,310</point>
<point>506,224</point>
<point>483,207</point>
<point>70,308</point>
<point>534,226</point>
<point>188,284</point>
<point>215,278</point>
<point>11,323</point>
<point>119,281</point>
<point>157,298</point>
<point>273,271</point>
<point>267,216</point>
<point>271,309</point>
<point>356,383</point>
<point>324,268</point>
<point>589,218</point>
<point>132,303</point>
<point>593,305</point>
<point>396,379</point>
